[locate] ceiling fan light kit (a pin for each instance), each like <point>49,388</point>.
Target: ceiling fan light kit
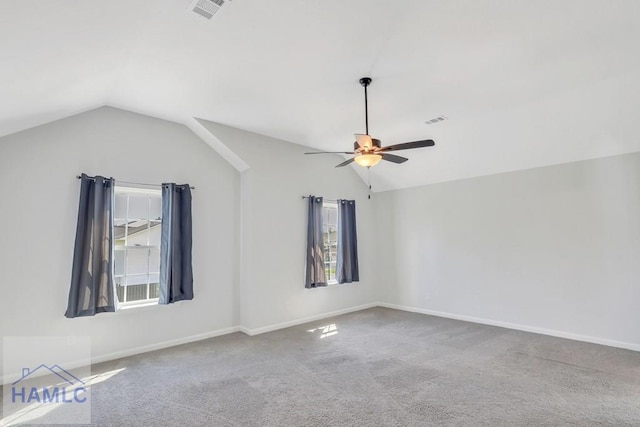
<point>367,160</point>
<point>368,151</point>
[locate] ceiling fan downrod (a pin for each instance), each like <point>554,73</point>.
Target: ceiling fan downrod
<point>366,81</point>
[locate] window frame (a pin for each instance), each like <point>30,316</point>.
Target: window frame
<point>130,190</point>
<point>329,242</point>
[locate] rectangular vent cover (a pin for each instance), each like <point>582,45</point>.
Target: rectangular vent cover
<point>207,8</point>
<point>436,120</point>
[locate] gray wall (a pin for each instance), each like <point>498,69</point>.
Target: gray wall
<point>553,249</point>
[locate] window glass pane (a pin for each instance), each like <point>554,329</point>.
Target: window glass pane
<point>139,236</point>
<point>137,279</point>
<point>333,235</point>
<point>333,216</point>
<point>154,290</point>
<point>137,260</point>
<point>120,293</point>
<point>138,206</point>
<point>118,235</point>
<point>136,292</point>
<point>154,233</point>
<point>118,262</point>
<point>331,271</point>
<point>154,260</point>
<point>120,208</point>
<point>156,207</point>
<point>330,216</point>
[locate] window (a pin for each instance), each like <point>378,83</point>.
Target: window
<point>331,250</point>
<point>330,238</point>
<point>136,234</point>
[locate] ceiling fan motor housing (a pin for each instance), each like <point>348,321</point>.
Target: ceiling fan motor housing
<point>376,144</point>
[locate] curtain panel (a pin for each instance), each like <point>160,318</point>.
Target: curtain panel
<point>176,272</point>
<point>314,275</point>
<point>347,263</point>
<point>91,289</point>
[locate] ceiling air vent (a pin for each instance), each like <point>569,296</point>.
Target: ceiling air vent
<point>206,8</point>
<point>436,120</point>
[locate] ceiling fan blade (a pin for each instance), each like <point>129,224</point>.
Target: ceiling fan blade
<point>331,152</point>
<point>364,141</point>
<point>393,158</point>
<point>345,163</point>
<point>408,145</point>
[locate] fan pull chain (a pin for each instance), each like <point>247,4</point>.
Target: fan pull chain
<point>369,181</point>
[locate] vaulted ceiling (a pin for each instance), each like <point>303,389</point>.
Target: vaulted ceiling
<point>522,83</point>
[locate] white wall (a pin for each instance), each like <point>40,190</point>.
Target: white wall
<point>39,201</point>
<point>551,249</point>
<point>555,249</point>
<point>274,229</point>
<point>249,229</point>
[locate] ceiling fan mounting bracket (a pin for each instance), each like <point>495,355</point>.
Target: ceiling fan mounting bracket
<point>365,81</point>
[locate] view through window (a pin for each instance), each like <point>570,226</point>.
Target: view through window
<point>330,238</point>
<point>136,233</point>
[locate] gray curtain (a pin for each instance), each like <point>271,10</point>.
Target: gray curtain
<point>347,263</point>
<point>315,276</point>
<point>176,273</point>
<point>91,289</point>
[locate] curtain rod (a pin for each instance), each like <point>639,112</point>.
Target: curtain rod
<point>139,183</point>
<point>328,200</point>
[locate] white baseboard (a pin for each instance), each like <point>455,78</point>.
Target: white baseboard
<point>9,377</point>
<point>525,328</point>
<point>163,344</point>
<point>251,332</point>
<point>300,321</point>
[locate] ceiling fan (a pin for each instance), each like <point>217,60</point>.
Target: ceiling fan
<point>367,151</point>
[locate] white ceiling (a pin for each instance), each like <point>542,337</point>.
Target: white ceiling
<point>524,83</point>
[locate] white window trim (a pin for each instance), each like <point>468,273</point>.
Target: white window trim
<point>140,303</point>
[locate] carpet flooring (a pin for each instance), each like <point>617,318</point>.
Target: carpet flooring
<point>376,367</point>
